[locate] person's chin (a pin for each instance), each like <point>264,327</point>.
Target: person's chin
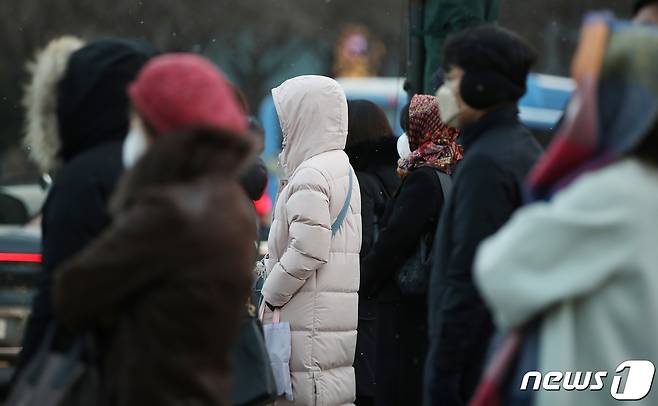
<point>455,123</point>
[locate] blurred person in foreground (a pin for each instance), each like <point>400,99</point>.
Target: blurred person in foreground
<point>165,286</point>
<point>486,72</point>
<point>371,147</point>
<point>409,221</point>
<point>77,116</point>
<point>312,266</point>
<point>583,262</point>
<point>645,12</point>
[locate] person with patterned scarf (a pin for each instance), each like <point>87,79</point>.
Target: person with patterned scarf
<point>409,221</point>
<point>431,141</point>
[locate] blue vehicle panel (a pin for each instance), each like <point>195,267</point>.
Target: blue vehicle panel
<point>540,109</point>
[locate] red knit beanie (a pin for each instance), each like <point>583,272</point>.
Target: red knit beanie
<point>175,91</point>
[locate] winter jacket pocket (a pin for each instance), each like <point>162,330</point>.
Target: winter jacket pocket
<point>317,397</point>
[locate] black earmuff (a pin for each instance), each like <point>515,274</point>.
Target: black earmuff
<point>484,89</point>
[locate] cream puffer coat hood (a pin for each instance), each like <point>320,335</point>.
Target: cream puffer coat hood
<point>313,276</point>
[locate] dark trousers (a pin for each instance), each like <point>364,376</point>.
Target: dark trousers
<point>401,352</point>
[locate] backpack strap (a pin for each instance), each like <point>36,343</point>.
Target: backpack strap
<point>346,206</point>
<point>446,185</point>
<point>446,182</point>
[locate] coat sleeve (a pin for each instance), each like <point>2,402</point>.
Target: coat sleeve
<point>309,237</point>
<point>552,252</point>
<point>417,205</point>
<point>75,213</point>
<point>134,252</point>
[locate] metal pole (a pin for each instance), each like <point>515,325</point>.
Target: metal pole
<point>416,57</point>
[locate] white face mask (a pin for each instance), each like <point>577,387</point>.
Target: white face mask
<point>448,105</point>
<point>403,146</point>
<point>134,147</point>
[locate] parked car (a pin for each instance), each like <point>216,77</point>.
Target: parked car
<point>20,267</point>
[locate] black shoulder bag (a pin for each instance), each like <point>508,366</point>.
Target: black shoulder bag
<point>413,277</point>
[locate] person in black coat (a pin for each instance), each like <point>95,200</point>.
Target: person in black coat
<point>371,147</point>
<point>411,216</point>
<point>486,70</point>
<point>91,120</point>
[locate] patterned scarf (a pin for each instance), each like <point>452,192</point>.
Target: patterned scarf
<point>431,141</point>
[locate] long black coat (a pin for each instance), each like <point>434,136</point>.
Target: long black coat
<point>401,320</point>
<point>499,153</point>
<point>92,117</point>
<point>75,213</point>
<point>375,165</point>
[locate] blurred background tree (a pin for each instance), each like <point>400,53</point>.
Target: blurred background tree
<point>258,43</point>
<point>253,40</point>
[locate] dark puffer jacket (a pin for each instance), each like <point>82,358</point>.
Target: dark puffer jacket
<point>167,282</point>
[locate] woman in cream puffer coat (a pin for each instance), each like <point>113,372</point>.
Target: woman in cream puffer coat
<point>312,276</point>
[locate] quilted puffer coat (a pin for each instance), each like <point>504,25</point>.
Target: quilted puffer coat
<point>313,276</point>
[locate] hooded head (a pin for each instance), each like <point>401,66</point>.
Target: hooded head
<point>313,116</point>
<point>92,103</point>
<point>40,100</point>
<point>431,141</point>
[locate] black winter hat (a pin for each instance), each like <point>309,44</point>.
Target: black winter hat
<point>92,102</point>
<point>496,63</point>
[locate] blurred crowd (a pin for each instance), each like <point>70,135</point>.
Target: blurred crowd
<point>436,268</point>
